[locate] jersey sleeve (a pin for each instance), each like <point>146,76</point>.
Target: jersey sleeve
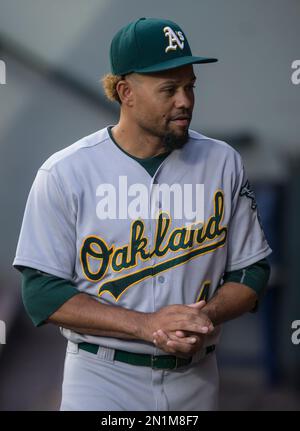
<point>47,240</point>
<point>246,240</point>
<point>255,276</point>
<point>43,294</point>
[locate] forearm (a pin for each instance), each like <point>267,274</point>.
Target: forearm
<point>85,315</point>
<point>48,298</point>
<point>231,301</point>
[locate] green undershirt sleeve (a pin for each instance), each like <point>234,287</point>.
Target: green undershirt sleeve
<point>43,294</point>
<point>255,276</point>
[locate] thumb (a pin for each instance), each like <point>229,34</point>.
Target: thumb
<point>199,305</point>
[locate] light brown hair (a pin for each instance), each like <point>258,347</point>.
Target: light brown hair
<point>109,83</point>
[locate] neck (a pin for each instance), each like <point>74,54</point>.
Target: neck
<point>136,141</point>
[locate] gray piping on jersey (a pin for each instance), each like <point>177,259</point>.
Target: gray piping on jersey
<point>160,167</point>
<point>243,276</point>
<point>72,149</point>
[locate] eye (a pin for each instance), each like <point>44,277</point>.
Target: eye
<point>169,90</point>
<point>191,87</point>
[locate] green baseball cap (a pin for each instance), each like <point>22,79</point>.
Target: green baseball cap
<point>151,45</point>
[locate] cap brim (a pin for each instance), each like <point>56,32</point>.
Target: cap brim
<point>176,62</point>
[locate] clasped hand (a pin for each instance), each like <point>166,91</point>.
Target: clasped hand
<point>181,329</point>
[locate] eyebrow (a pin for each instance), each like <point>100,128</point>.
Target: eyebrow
<point>176,81</point>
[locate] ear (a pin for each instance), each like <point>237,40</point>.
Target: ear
<point>125,92</point>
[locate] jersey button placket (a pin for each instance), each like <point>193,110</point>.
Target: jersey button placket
<point>161,279</point>
<point>151,237</point>
<point>158,280</point>
<point>153,221</point>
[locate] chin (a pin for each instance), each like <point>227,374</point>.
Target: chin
<point>175,141</point>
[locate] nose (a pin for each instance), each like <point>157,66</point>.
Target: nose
<point>184,99</point>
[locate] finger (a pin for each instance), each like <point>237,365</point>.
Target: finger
<point>189,340</point>
<point>186,338</point>
<point>181,334</point>
<point>176,346</point>
<point>180,347</point>
<point>159,334</point>
<point>208,329</point>
<point>164,337</point>
<point>161,341</point>
<point>186,326</point>
<point>160,337</point>
<point>199,305</point>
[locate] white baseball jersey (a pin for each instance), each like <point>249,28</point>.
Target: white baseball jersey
<point>94,217</point>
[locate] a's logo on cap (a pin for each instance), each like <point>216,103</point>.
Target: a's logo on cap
<point>176,39</point>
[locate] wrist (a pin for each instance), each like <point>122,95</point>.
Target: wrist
<point>210,311</point>
<point>144,329</point>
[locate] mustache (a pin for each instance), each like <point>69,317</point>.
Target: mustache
<point>181,116</point>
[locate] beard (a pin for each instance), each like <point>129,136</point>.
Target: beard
<point>171,141</point>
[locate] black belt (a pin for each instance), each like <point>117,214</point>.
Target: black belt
<point>163,362</point>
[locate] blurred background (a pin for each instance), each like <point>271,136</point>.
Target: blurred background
<point>55,52</point>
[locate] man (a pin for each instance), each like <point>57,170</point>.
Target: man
<point>138,284</point>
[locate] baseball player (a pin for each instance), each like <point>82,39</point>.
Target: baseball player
<point>142,238</point>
